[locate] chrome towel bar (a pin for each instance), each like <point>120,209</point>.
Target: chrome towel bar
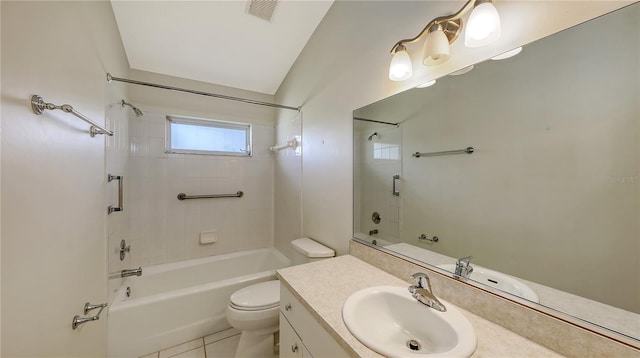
<point>467,150</point>
<point>38,105</point>
<point>183,196</point>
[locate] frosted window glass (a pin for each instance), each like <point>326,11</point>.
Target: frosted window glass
<point>192,136</point>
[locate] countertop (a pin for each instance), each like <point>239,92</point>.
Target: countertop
<point>324,286</point>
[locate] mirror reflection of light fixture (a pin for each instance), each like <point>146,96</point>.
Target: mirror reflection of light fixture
<point>427,84</point>
<point>483,28</point>
<point>461,71</point>
<point>508,54</point>
<point>400,68</point>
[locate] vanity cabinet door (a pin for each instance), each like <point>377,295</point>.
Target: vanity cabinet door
<point>290,344</point>
<point>315,338</point>
<point>306,353</point>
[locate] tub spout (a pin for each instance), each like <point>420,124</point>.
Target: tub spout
<point>133,272</point>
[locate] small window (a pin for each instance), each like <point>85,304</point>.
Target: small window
<point>204,136</point>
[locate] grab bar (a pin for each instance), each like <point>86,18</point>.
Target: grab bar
<point>467,150</point>
<point>183,196</point>
<point>395,191</point>
<point>112,208</point>
<point>38,105</point>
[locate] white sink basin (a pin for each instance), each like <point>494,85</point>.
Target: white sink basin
<point>387,318</point>
<point>498,280</point>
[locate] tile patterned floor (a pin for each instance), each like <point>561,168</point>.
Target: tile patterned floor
<point>219,345</point>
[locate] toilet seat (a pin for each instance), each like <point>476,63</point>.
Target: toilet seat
<point>258,297</point>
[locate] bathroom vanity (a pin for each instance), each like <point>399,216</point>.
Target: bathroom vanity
<point>311,324</point>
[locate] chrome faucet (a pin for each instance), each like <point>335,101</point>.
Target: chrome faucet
<point>422,292</point>
<point>132,272</point>
<point>463,269</point>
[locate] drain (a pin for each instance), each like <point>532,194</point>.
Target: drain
<point>413,345</point>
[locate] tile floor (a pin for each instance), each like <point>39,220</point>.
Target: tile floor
<point>218,345</point>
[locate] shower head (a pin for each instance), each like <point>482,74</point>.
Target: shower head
<point>375,134</point>
<point>137,111</point>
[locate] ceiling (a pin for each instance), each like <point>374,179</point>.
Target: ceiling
<point>217,41</point>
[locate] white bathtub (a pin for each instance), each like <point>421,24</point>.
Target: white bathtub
<point>177,302</point>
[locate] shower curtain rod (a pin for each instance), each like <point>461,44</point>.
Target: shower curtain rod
<point>371,120</point>
<point>215,95</point>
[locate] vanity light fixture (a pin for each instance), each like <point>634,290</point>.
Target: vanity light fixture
<point>400,68</point>
<point>482,28</point>
<point>436,48</point>
<point>484,25</point>
<point>508,54</point>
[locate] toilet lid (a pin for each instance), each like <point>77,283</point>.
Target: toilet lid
<point>256,297</point>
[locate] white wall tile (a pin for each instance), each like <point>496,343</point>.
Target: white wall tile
<point>166,229</point>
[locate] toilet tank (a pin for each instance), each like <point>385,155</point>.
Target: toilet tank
<point>306,250</point>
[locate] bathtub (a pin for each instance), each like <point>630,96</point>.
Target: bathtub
<point>177,302</point>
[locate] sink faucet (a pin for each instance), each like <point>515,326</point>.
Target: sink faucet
<point>422,292</point>
<point>132,272</point>
<point>463,269</point>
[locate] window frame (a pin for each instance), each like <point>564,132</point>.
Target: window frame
<point>214,123</point>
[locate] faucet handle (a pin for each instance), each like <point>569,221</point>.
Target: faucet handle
<point>422,280</point>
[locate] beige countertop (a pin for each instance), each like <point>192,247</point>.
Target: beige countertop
<point>324,286</point>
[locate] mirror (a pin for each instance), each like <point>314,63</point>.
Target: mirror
<point>548,200</point>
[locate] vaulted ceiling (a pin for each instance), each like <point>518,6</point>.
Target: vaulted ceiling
<point>217,41</point>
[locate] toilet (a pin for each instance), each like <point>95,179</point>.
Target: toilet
<point>254,310</point>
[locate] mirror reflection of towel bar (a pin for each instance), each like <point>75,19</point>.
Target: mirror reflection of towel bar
<point>183,196</point>
<point>467,150</point>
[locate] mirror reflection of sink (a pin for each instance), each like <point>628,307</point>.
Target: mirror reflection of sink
<point>498,280</point>
<point>391,322</point>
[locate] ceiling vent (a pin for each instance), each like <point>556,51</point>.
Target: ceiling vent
<point>262,8</point>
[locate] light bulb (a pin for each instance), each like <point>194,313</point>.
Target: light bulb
<point>483,26</point>
<point>400,68</point>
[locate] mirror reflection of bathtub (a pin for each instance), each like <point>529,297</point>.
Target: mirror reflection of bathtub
<point>551,194</point>
<point>175,302</point>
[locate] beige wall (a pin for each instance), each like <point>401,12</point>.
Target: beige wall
<point>53,174</point>
<point>345,66</point>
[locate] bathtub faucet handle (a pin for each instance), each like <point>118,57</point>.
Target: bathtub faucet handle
<point>124,249</point>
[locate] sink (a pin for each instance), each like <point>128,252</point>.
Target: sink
<point>498,280</point>
<point>388,320</point>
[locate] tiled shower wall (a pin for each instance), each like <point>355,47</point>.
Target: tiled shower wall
<point>117,163</point>
<point>164,229</point>
<point>376,162</point>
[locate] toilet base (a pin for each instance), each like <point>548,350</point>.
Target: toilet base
<point>256,345</point>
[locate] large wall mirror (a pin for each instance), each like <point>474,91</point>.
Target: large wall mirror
<point>548,202</point>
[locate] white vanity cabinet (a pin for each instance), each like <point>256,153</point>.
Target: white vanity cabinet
<point>301,336</point>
